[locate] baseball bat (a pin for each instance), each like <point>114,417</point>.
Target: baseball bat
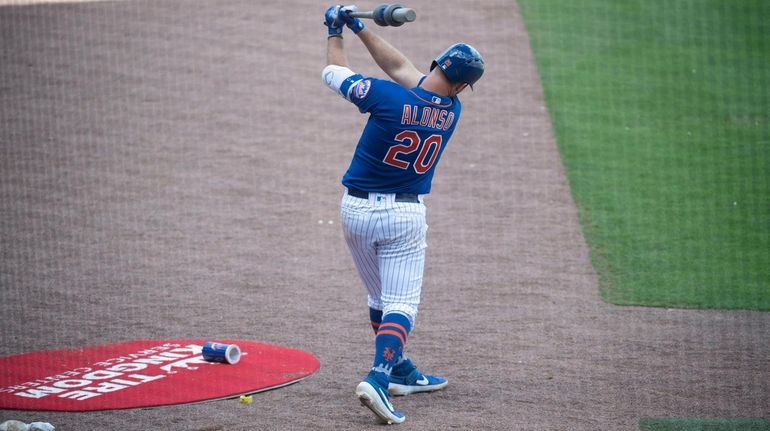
<point>388,15</point>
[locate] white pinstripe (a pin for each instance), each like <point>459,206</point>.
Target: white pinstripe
<point>387,240</point>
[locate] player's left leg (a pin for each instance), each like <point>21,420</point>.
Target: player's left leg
<point>358,225</point>
<point>405,377</point>
<point>373,390</point>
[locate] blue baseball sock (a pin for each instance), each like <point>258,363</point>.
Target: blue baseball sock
<point>389,345</point>
<point>375,317</point>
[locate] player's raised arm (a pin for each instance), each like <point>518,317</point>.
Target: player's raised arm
<point>335,48</point>
<point>335,52</point>
<point>336,75</point>
<point>390,59</point>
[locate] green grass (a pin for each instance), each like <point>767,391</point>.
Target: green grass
<point>661,111</point>
<point>695,424</point>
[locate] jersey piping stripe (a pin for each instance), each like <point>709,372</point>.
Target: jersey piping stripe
<point>430,102</point>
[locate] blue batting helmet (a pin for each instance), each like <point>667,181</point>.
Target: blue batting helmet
<point>460,63</point>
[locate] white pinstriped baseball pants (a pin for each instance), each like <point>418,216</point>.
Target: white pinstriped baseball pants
<point>387,240</point>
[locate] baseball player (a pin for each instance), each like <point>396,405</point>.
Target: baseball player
<point>411,121</point>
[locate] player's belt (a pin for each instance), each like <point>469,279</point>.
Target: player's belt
<point>400,197</point>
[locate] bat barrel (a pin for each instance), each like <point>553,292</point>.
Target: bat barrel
<point>388,15</point>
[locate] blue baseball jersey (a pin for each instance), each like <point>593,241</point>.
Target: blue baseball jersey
<point>404,137</point>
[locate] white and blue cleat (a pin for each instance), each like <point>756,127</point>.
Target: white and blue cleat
<point>415,382</point>
<point>375,397</point>
<point>406,379</point>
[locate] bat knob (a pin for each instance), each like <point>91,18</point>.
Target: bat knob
<point>403,14</point>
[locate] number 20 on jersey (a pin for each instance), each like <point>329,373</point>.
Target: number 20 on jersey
<point>411,142</point>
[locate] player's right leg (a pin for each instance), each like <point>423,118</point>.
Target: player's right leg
<point>407,379</point>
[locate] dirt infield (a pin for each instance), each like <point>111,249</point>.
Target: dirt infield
<point>170,169</point>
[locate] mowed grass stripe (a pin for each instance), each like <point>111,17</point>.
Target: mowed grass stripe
<point>662,116</point>
<point>702,424</point>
